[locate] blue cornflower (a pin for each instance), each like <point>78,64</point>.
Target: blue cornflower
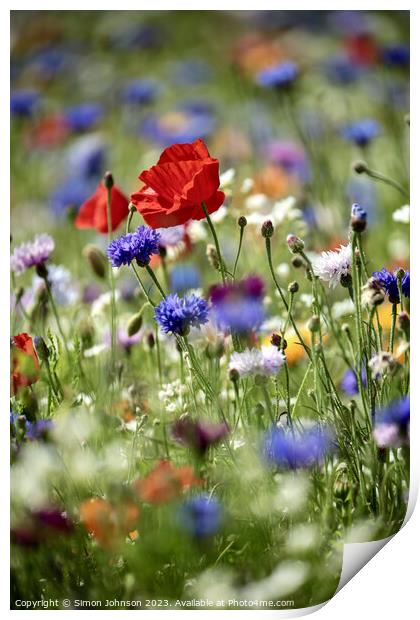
<point>201,515</point>
<point>398,412</point>
<point>358,217</point>
<point>86,157</point>
<point>349,382</point>
<point>278,76</point>
<point>392,424</point>
<point>38,430</point>
<point>50,61</point>
<point>177,314</point>
<point>24,103</point>
<point>184,278</point>
<point>70,195</point>
<point>140,91</point>
<point>187,122</point>
<point>238,306</point>
<point>83,116</point>
<point>361,132</point>
<point>390,283</point>
<point>341,70</point>
<point>298,448</point>
<point>138,246</point>
<point>396,55</point>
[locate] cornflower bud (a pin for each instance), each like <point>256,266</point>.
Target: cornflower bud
<point>293,287</point>
<point>242,221</point>
<point>296,244</point>
<point>297,262</point>
<point>358,218</point>
<point>267,229</point>
<point>313,323</point>
<point>360,167</point>
<point>108,180</point>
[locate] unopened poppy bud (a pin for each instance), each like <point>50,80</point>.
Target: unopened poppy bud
<point>373,293</point>
<point>108,180</point>
<point>42,271</point>
<point>267,229</point>
<point>360,167</point>
<point>313,323</point>
<point>132,209</point>
<point>346,280</point>
<point>297,262</point>
<point>41,348</point>
<point>134,324</point>
<point>404,322</point>
<point>358,218</point>
<point>150,340</point>
<point>293,287</point>
<point>242,221</point>
<point>96,259</point>
<point>212,257</point>
<point>233,375</point>
<point>296,244</point>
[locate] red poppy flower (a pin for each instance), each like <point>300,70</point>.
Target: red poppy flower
<point>166,482</point>
<point>107,522</point>
<point>93,212</point>
<point>25,363</point>
<point>362,49</point>
<point>175,188</point>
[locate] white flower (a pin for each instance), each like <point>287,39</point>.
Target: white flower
<point>63,289</point>
<point>402,214</point>
<point>342,308</point>
<point>247,185</point>
<point>251,362</point>
<point>331,266</point>
<point>383,362</point>
<point>227,178</point>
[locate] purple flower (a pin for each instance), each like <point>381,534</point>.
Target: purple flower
<point>138,246</point>
<point>199,435</point>
<point>361,132</point>
<point>38,430</point>
<point>177,314</point>
<point>278,76</point>
<point>32,254</point>
<point>349,382</point>
<point>391,423</point>
<point>297,448</point>
<point>390,283</point>
<point>201,515</point>
<point>238,306</point>
<point>53,518</point>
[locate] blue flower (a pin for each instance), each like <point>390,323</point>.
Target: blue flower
<point>361,132</point>
<point>358,218</point>
<point>238,306</point>
<point>201,515</point>
<point>50,61</point>
<point>297,448</point>
<point>176,315</point>
<point>138,246</point>
<point>278,76</point>
<point>38,430</point>
<point>70,195</point>
<point>86,157</point>
<point>140,91</point>
<point>398,412</point>
<point>83,116</point>
<point>24,103</point>
<point>396,55</point>
<point>390,283</point>
<point>189,121</point>
<point>349,382</point>
<point>392,424</point>
<point>341,70</point>
<point>184,278</point>
<point>191,71</point>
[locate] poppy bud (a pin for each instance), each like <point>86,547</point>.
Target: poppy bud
<point>359,167</point>
<point>108,180</point>
<point>242,221</point>
<point>293,287</point>
<point>267,229</point>
<point>96,259</point>
<point>41,348</point>
<point>296,244</point>
<point>134,324</point>
<point>297,262</point>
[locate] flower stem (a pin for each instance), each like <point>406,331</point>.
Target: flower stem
<point>216,242</point>
<point>241,236</point>
<point>392,334</point>
<point>155,280</point>
<point>111,275</point>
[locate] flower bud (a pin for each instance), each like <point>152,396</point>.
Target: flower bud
<point>242,221</point>
<point>96,259</point>
<point>42,271</point>
<point>233,375</point>
<point>41,348</point>
<point>108,180</point>
<point>296,244</point>
<point>267,229</point>
<point>359,167</point>
<point>297,262</point>
<point>346,280</point>
<point>373,293</point>
<point>358,218</point>
<point>134,324</point>
<point>404,322</point>
<point>293,287</point>
<point>313,323</point>
<point>162,251</point>
<point>150,340</point>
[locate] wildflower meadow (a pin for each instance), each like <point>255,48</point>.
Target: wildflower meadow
<point>210,303</point>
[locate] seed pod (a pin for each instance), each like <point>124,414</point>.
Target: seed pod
<point>134,324</point>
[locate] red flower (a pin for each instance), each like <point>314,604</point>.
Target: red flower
<point>362,49</point>
<point>175,188</point>
<point>93,212</point>
<point>25,364</point>
<point>166,482</point>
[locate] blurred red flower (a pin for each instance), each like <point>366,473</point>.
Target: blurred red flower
<point>93,212</point>
<point>25,363</point>
<point>175,188</point>
<point>165,482</point>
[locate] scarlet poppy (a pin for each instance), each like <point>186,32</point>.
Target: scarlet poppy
<point>166,482</point>
<point>106,522</point>
<point>93,212</point>
<point>175,188</point>
<point>25,363</point>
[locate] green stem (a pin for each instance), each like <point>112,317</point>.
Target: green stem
<point>156,281</point>
<point>392,334</point>
<point>111,276</point>
<point>241,236</point>
<point>216,242</point>
<point>378,176</point>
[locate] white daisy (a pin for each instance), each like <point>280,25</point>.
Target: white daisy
<point>331,266</point>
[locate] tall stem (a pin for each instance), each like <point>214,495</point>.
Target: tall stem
<point>111,274</point>
<point>216,242</point>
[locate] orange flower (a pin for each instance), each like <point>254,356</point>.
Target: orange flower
<point>25,363</point>
<point>166,482</point>
<point>105,522</point>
